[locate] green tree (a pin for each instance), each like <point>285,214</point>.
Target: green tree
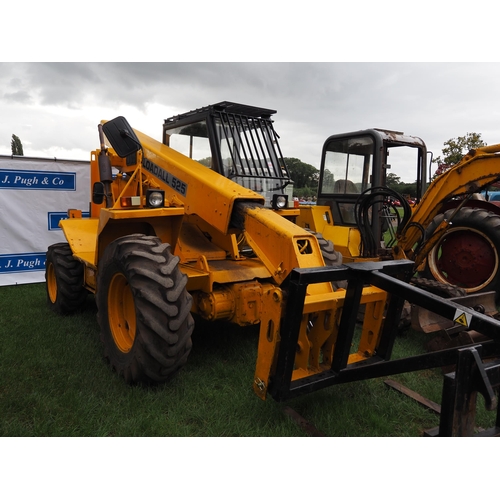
<point>408,189</point>
<point>455,149</point>
<point>16,146</point>
<point>393,181</point>
<point>302,174</point>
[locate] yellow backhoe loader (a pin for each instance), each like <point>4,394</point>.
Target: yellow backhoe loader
<point>452,236</point>
<point>174,234</point>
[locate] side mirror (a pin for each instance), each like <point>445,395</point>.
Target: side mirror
<point>98,193</point>
<point>121,136</point>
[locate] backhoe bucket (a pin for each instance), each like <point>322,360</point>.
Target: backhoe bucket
<point>428,322</point>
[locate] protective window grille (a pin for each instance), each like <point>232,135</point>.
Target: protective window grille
<point>252,145</point>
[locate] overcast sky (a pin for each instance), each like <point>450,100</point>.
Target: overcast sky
<point>54,108</point>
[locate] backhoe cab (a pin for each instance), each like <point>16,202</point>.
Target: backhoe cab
<point>355,207</point>
<point>450,234</point>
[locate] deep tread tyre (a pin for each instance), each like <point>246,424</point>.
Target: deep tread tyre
<point>432,286</point>
<point>440,289</point>
<point>64,280</point>
<point>330,256</point>
<point>144,310</point>
<point>468,254</point>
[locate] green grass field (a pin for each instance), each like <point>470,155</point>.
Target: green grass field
<point>55,382</point>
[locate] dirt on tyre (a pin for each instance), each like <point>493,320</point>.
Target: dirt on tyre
<point>144,310</point>
<point>64,280</point>
<point>468,254</point>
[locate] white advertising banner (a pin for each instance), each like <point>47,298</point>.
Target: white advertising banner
<point>35,193</point>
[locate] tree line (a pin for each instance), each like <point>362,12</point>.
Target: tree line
<point>306,178</point>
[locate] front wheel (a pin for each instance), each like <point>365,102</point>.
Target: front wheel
<point>332,257</point>
<point>143,309</point>
<point>468,254</point>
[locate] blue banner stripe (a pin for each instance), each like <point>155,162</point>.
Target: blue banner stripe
<point>38,180</point>
<point>22,262</point>
<point>55,217</point>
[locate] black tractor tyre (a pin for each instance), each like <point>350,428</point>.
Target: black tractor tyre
<point>468,254</point>
<point>144,310</point>
<point>64,280</point>
<point>330,256</point>
<point>432,286</point>
<point>437,288</point>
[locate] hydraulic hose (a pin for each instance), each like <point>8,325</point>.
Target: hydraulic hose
<point>372,201</point>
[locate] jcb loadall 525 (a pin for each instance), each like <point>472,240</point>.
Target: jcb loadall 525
<point>169,236</point>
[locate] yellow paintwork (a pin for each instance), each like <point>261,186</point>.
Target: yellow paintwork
<point>194,243</point>
<point>208,194</point>
<point>282,245</point>
<point>269,339</point>
<point>51,282</point>
<point>347,240</point>
<point>202,274</point>
<point>318,334</point>
<point>121,312</point>
<point>315,217</point>
<point>81,235</point>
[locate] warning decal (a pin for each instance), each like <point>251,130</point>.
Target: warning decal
<point>462,318</point>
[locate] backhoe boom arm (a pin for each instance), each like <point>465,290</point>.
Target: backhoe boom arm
<point>479,168</point>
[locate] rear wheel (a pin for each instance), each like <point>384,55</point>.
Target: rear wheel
<point>468,254</point>
<point>143,309</point>
<point>64,280</point>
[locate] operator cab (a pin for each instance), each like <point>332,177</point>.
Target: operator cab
<point>355,175</point>
<point>238,142</point>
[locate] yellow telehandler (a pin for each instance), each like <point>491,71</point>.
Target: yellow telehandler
<point>170,237</point>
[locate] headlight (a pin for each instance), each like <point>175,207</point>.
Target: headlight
<point>280,201</point>
<point>155,198</point>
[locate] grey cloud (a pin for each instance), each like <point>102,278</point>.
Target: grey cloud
<point>435,101</point>
<point>21,96</point>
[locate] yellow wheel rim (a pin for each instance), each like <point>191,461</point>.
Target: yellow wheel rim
<point>121,312</point>
<point>51,283</point>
